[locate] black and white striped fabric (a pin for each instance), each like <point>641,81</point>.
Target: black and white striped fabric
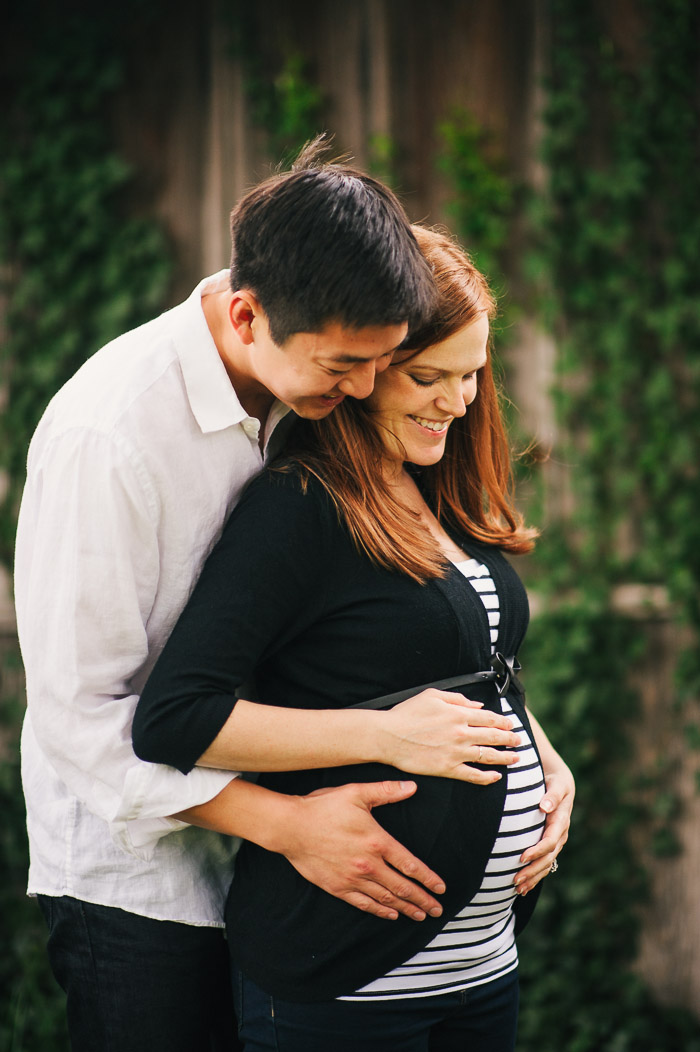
<point>478,945</point>
<point>482,582</point>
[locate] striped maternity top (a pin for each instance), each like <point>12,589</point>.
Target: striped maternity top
<point>478,945</point>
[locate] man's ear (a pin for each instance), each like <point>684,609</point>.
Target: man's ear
<point>244,310</point>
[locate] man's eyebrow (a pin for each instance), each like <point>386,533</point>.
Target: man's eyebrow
<point>354,359</point>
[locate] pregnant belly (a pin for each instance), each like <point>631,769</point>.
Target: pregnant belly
<point>300,943</point>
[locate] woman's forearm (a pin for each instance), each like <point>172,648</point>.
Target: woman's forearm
<point>552,762</point>
<point>271,738</point>
<point>557,803</point>
<point>435,733</point>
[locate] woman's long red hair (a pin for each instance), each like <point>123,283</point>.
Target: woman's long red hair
<point>469,489</point>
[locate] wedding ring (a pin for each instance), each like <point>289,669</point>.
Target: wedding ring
<point>554,866</point>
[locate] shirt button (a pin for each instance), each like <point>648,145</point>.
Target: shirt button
<point>251,427</point>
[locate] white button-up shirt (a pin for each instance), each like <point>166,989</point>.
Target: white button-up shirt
<point>132,472</point>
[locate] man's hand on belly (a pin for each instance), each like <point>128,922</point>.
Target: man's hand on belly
<point>331,839</point>
<point>336,844</point>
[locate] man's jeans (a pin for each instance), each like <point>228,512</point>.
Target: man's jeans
<point>480,1019</point>
<point>139,985</point>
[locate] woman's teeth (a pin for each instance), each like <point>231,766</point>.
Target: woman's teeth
<point>432,425</point>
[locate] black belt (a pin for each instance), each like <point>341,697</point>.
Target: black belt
<point>503,673</point>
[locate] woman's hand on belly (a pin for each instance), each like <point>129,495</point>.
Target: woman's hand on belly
<point>441,733</point>
<point>557,803</point>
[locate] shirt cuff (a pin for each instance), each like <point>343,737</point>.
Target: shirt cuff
<point>153,792</point>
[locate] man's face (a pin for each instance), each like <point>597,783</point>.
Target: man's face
<point>314,371</point>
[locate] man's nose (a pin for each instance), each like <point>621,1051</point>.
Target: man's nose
<point>359,381</point>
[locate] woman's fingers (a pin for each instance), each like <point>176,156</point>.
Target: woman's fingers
<point>437,732</point>
<point>557,804</point>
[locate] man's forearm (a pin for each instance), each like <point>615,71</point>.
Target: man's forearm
<point>332,839</point>
<point>246,810</point>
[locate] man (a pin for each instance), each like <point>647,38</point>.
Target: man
<point>131,474</point>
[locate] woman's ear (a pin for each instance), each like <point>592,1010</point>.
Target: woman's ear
<point>244,309</point>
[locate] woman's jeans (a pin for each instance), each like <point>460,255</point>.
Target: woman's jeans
<point>480,1019</point>
<point>139,985</point>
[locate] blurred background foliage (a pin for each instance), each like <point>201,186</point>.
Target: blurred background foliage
<point>78,268</point>
<point>609,262</point>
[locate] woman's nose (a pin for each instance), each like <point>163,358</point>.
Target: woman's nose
<point>455,400</point>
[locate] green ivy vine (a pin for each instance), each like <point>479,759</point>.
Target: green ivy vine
<point>618,229</point>
<point>482,201</point>
<point>284,102</point>
<point>612,273</point>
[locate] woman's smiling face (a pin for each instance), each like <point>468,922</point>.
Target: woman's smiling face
<point>415,400</point>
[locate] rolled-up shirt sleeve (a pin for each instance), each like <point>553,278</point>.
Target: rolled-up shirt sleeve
<point>86,580</point>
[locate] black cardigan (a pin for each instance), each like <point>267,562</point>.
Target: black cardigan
<point>286,596</point>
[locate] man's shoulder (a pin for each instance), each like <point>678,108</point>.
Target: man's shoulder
<point>131,376</point>
<point>143,374</point>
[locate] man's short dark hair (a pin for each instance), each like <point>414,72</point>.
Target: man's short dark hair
<point>325,242</point>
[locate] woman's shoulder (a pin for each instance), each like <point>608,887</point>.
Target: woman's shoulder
<point>278,513</point>
<point>285,481</point>
<point>284,496</point>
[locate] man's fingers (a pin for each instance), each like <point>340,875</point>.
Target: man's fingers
<point>369,905</point>
<point>391,886</point>
<point>408,866</point>
<point>382,903</point>
<point>374,794</point>
<point>395,891</point>
<point>386,890</point>
<point>403,864</point>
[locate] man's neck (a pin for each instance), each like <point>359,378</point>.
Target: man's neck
<point>252,394</point>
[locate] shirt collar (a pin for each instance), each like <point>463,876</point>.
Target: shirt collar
<point>211,394</point>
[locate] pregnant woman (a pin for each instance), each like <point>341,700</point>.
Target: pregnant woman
<point>368,564</point>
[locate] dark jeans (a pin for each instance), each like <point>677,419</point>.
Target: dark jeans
<point>139,985</point>
<point>481,1019</point>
